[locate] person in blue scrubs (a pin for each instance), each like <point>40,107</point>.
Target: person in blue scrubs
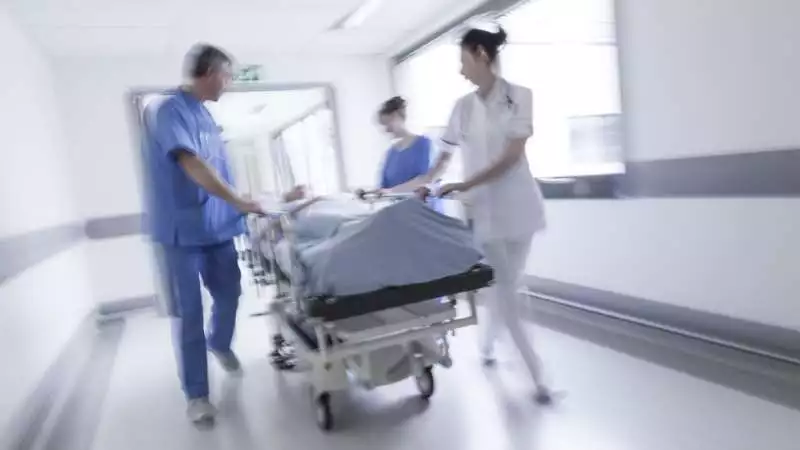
<point>408,160</point>
<point>194,214</point>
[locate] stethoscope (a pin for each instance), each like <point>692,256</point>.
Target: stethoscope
<point>509,102</point>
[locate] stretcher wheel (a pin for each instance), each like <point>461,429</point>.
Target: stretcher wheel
<point>323,412</point>
<point>283,357</point>
<point>282,362</point>
<point>426,384</point>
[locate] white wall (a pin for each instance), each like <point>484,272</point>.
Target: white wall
<point>699,78</point>
<point>93,93</point>
<point>709,77</point>
<point>41,307</point>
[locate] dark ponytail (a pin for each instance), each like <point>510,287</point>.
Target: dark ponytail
<point>476,39</point>
<point>393,105</point>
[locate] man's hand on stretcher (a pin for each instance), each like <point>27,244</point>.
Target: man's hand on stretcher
<point>248,206</point>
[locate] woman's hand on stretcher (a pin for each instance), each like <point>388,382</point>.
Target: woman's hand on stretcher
<point>452,188</point>
<point>448,190</point>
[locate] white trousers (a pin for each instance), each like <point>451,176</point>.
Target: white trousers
<point>508,258</point>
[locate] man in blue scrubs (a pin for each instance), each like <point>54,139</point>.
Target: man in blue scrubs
<point>194,214</point>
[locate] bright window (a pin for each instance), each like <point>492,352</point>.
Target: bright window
<point>565,51</point>
<point>308,145</point>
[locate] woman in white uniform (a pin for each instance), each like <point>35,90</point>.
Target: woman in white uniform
<point>490,127</point>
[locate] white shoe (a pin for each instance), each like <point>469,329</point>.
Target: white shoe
<point>201,411</point>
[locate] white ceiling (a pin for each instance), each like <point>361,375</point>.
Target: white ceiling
<point>150,27</point>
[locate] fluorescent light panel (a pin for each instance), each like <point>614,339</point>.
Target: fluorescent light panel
<point>361,14</point>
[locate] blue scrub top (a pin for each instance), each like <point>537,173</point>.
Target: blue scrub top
<point>181,213</point>
<point>404,165</point>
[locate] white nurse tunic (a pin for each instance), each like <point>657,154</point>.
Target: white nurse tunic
<point>509,207</point>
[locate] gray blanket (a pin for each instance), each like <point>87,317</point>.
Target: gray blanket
<point>345,251</point>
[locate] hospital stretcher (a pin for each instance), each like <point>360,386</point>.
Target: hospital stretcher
<point>374,338</point>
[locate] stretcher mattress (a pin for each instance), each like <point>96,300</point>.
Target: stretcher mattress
<point>331,308</point>
<point>341,255</point>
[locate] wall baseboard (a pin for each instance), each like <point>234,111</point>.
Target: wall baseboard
<point>782,343</point>
<point>112,310</point>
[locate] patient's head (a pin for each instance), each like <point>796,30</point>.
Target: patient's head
<point>422,193</point>
<point>297,193</point>
<point>392,116</point>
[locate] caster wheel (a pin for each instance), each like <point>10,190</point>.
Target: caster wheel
<point>323,412</point>
<point>281,362</point>
<point>426,384</point>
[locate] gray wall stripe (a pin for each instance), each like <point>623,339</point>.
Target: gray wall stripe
<point>769,339</point>
<point>757,174</point>
<point>17,253</point>
<point>115,226</point>
<point>768,173</point>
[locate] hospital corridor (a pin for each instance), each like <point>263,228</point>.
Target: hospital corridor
<point>428,224</point>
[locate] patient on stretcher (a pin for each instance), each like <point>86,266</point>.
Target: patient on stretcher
<point>344,247</point>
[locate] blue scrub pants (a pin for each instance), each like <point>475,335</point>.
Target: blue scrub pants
<point>218,267</point>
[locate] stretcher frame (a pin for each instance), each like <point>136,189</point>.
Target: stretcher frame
<point>331,362</point>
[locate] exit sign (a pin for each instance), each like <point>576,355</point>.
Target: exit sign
<point>247,74</point>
